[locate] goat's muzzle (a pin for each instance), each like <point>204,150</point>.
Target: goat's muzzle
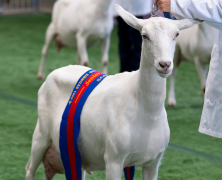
<point>164,68</point>
<point>164,64</point>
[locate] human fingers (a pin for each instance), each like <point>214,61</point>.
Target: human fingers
<point>164,5</point>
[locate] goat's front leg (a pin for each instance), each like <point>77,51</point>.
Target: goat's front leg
<point>202,72</point>
<point>151,172</point>
<point>105,54</point>
<point>78,59</point>
<point>114,170</point>
<point>171,95</point>
<point>114,165</point>
<point>82,48</point>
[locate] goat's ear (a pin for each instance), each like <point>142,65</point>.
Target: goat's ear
<point>186,23</point>
<point>129,18</point>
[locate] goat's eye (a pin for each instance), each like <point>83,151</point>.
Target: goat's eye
<point>177,34</point>
<point>145,36</point>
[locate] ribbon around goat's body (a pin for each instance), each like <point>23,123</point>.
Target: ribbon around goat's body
<point>70,126</point>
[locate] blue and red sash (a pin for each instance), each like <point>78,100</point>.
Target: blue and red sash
<point>129,172</point>
<point>70,126</point>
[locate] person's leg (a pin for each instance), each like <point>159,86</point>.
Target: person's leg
<point>124,44</point>
<point>136,41</point>
<point>1,9</point>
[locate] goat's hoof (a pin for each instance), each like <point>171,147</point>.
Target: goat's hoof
<point>172,103</point>
<point>85,64</point>
<point>40,77</point>
<point>105,63</point>
<point>203,92</point>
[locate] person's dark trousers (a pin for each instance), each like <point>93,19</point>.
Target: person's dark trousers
<point>130,43</point>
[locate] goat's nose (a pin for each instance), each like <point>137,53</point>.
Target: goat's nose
<point>165,64</point>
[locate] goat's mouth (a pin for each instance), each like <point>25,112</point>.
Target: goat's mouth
<point>164,73</point>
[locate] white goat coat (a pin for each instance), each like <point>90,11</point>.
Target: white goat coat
<point>135,7</point>
<point>119,130</point>
<point>211,12</point>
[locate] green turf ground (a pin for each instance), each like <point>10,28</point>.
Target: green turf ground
<point>21,41</point>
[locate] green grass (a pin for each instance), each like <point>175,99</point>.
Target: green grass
<point>22,38</point>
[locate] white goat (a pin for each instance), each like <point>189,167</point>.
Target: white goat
<point>194,44</point>
<point>79,24</point>
<point>124,121</point>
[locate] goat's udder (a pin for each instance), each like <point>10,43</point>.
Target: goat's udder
<point>53,163</point>
<point>58,41</point>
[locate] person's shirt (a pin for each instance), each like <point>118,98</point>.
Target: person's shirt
<point>208,10</point>
<point>135,7</point>
<point>211,12</point>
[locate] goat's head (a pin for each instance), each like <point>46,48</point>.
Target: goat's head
<point>159,38</point>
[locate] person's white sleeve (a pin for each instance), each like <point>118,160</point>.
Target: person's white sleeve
<point>211,119</point>
<point>208,10</point>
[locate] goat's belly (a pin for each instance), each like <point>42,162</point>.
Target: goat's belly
<point>53,163</point>
<point>92,41</point>
<point>145,158</point>
<point>68,40</point>
<point>95,38</point>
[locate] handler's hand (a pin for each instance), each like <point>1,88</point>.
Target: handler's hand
<point>164,5</point>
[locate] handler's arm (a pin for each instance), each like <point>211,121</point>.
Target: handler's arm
<point>208,10</point>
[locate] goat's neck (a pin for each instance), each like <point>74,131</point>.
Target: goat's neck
<point>102,5</point>
<point>151,88</point>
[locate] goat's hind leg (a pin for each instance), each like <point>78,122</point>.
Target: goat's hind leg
<point>40,143</point>
<point>82,48</point>
<point>50,33</point>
